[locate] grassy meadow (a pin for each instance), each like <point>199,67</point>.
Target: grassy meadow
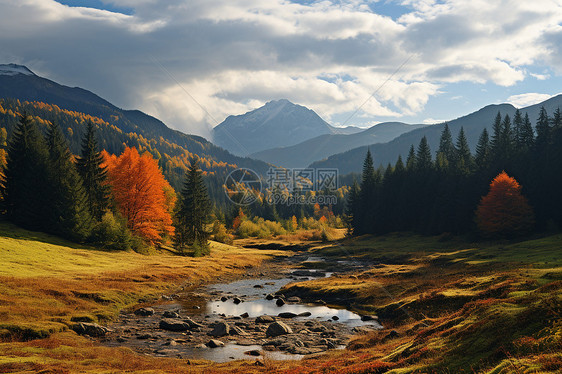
<point>454,306</point>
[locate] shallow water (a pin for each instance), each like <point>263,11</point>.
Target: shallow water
<point>232,351</point>
<point>256,305</point>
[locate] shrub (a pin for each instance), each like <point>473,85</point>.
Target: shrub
<point>112,233</point>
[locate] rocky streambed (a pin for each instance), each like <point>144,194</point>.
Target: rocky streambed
<point>237,320</point>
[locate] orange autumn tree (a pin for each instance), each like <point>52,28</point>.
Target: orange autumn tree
<point>141,193</point>
<point>504,211</point>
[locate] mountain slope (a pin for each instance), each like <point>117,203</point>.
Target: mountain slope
<point>19,83</point>
<point>276,124</point>
<point>474,123</point>
<point>303,154</point>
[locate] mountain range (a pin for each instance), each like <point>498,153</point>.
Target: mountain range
<point>473,124</point>
<point>278,123</point>
<point>320,147</point>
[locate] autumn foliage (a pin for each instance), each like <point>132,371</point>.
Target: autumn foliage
<point>141,193</point>
<point>504,211</point>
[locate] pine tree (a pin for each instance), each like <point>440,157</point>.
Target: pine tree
<point>399,167</point>
<point>483,151</point>
<point>93,174</point>
<point>495,142</point>
<point>446,149</point>
<point>517,127</point>
<point>25,175</point>
<point>543,131</point>
<point>367,196</point>
<point>411,159</point>
<point>192,216</point>
<point>68,213</point>
<point>352,207</point>
<point>423,156</point>
<point>507,139</point>
<point>526,135</point>
<point>464,158</point>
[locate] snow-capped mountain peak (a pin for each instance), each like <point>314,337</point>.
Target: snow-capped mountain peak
<point>13,69</point>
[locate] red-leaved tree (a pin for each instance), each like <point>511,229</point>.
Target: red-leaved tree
<point>504,211</point>
<point>141,193</point>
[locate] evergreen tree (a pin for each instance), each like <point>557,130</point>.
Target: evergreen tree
<point>543,131</point>
<point>526,136</point>
<point>507,139</point>
<point>495,142</point>
<point>367,196</point>
<point>93,175</point>
<point>399,167</point>
<point>352,207</point>
<point>517,127</point>
<point>411,159</point>
<point>483,151</point>
<point>423,156</point>
<point>446,149</point>
<point>464,158</point>
<point>192,216</point>
<point>68,213</point>
<point>25,175</point>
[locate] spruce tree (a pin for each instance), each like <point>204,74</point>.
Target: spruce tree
<point>352,208</point>
<point>543,131</point>
<point>526,135</point>
<point>68,213</point>
<point>193,213</point>
<point>25,175</point>
<point>483,151</point>
<point>517,127</point>
<point>423,156</point>
<point>446,147</point>
<point>93,175</point>
<point>411,159</point>
<point>556,120</point>
<point>506,139</point>
<point>464,158</point>
<point>367,196</point>
<point>399,167</point>
<point>495,142</point>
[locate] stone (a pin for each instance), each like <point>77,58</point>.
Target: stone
<point>269,297</point>
<point>244,315</point>
<point>308,273</point>
<point>221,329</point>
<point>278,328</point>
<point>253,352</point>
<point>213,343</point>
<point>192,324</point>
<point>319,302</point>
<point>170,314</point>
<point>224,298</point>
<point>237,300</point>
<point>294,299</point>
<point>258,286</point>
<point>265,319</point>
<point>304,314</point>
<point>287,315</point>
<point>335,318</point>
<point>144,312</point>
<point>145,337</point>
<point>235,330</point>
<point>280,302</point>
<point>172,324</point>
<point>368,318</point>
<point>91,329</point>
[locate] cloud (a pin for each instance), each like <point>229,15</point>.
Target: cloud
<point>526,99</point>
<point>193,62</point>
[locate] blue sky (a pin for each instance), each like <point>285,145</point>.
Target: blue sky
<point>191,63</point>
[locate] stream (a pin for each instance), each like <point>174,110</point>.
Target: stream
<point>231,315</point>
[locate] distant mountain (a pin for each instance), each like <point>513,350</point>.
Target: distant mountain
<point>276,124</point>
<point>117,127</point>
<point>474,123</point>
<point>303,154</point>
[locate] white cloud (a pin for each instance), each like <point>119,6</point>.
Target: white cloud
<point>233,55</point>
<point>526,99</point>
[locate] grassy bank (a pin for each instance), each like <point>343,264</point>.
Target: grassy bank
<point>455,306</point>
<point>47,283</point>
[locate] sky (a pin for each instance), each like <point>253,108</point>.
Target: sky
<point>191,63</point>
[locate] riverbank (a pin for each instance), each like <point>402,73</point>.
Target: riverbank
<point>447,305</point>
